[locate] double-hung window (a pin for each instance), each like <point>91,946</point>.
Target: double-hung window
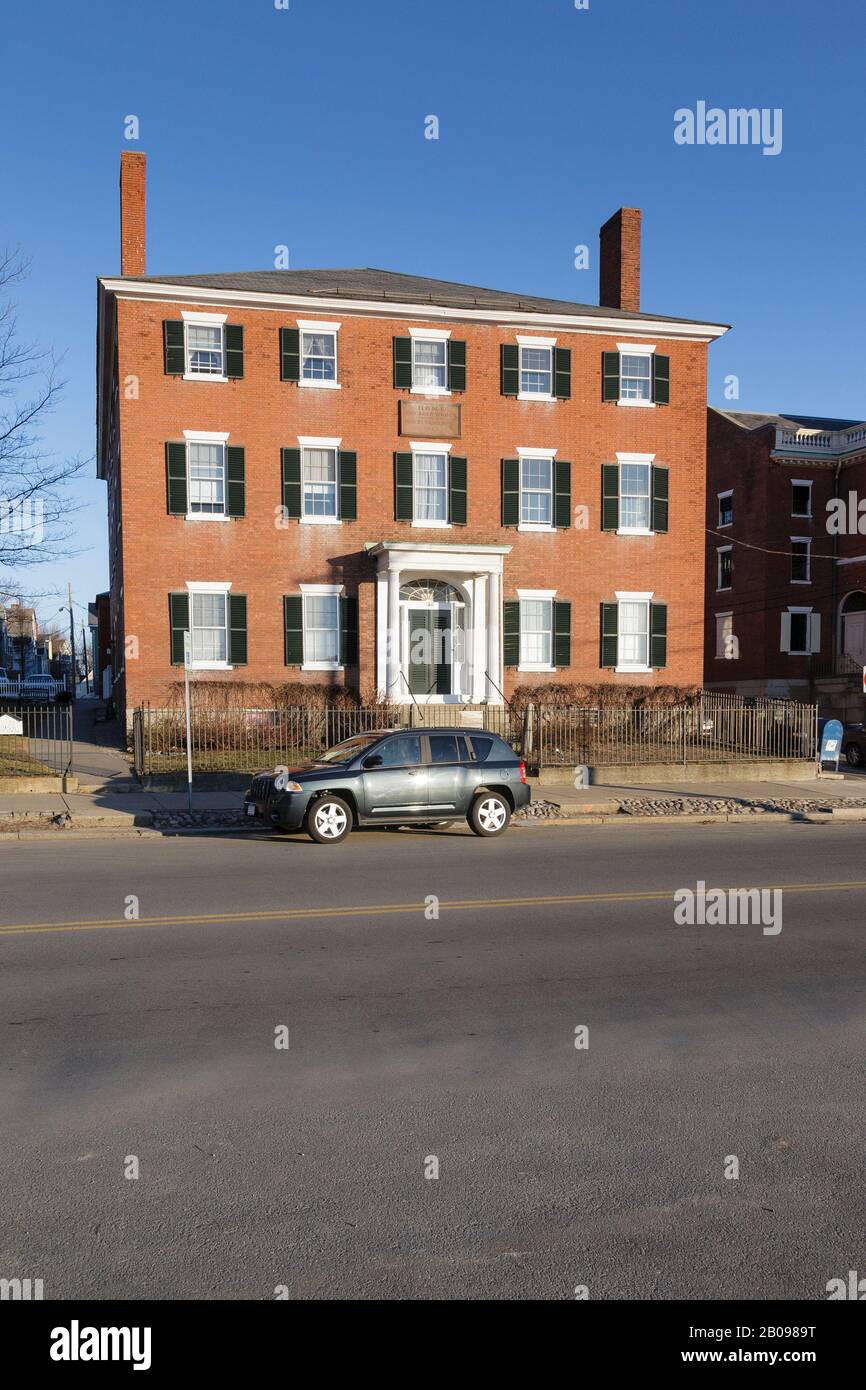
<point>209,628</point>
<point>801,498</point>
<point>536,490</point>
<point>319,483</point>
<point>536,632</point>
<point>430,487</point>
<point>206,472</point>
<point>726,508</point>
<point>321,626</point>
<point>635,382</point>
<point>318,352</point>
<point>536,367</point>
<point>725,567</point>
<point>633,627</point>
<point>430,361</point>
<point>801,547</point>
<point>204,350</point>
<point>635,497</point>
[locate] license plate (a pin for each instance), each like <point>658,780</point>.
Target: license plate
<point>251,810</point>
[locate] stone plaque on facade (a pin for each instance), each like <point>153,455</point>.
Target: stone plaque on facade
<point>430,419</point>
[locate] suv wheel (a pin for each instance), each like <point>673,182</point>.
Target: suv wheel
<point>329,820</point>
<point>489,814</point>
<point>854,755</point>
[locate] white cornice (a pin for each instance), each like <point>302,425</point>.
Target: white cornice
<point>166,292</point>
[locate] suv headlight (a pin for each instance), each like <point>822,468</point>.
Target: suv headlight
<point>290,787</point>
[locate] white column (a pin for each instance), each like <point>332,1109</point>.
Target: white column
<point>479,639</point>
<point>494,667</point>
<point>395,687</point>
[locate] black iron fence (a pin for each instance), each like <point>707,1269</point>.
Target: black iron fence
<point>714,728</point>
<point>35,740</point>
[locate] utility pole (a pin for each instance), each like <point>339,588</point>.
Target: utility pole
<point>71,633</point>
<point>84,654</point>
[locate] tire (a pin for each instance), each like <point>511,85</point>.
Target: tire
<point>328,820</point>
<point>854,755</point>
<point>489,815</point>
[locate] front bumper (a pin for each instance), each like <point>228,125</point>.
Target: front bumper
<point>288,811</point>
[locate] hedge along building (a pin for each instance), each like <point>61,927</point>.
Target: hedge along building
<point>427,490</point>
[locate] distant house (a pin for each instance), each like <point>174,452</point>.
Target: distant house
<point>19,631</point>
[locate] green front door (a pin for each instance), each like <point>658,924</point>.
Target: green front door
<point>429,650</point>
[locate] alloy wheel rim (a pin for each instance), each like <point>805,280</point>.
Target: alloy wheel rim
<point>491,815</point>
<point>331,821</point>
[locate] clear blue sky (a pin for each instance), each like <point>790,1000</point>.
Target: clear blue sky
<point>306,127</point>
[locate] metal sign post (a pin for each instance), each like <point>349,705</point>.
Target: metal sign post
<point>187,658</point>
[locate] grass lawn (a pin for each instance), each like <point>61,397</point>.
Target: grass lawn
<point>16,762</point>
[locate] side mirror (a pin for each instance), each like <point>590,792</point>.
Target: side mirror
<point>374,760</point>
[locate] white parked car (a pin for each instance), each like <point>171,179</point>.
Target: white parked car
<point>40,690</point>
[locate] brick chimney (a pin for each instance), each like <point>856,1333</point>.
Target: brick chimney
<point>133,168</point>
<point>619,261</point>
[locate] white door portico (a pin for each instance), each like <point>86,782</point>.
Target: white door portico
<point>461,585</point>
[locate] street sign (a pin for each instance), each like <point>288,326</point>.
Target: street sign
<point>831,743</point>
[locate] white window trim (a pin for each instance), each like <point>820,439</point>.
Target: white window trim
<point>720,587</point>
<point>209,587</point>
<point>199,320</point>
<point>623,596</point>
<point>636,350</point>
<point>427,447</point>
<point>207,437</point>
<point>549,595</point>
<point>647,460</point>
<point>722,525</point>
<point>809,612</point>
<point>802,482</point>
<point>525,341</point>
<point>312,441</point>
<point>312,326</point>
<point>522,453</point>
<point>319,591</point>
<point>436,335</point>
<point>727,613</point>
<point>807,541</point>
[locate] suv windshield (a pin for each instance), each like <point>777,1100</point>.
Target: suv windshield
<point>348,749</point>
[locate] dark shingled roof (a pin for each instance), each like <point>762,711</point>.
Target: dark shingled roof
<point>755,420</point>
<point>363,282</point>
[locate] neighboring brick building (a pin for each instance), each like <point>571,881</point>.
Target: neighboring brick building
<point>786,585</point>
<point>395,484</point>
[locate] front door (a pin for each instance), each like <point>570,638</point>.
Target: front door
<point>429,667</point>
<point>855,637</point>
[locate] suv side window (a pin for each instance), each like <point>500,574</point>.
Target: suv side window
<point>403,751</point>
<point>481,747</point>
<point>446,748</point>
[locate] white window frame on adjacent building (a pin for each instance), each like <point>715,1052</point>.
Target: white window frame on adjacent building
<point>197,590</point>
<point>548,456</point>
<point>807,542</point>
<point>307,443</point>
<point>212,322</point>
<point>813,631</point>
<point>721,497</point>
<point>314,591</point>
<point>636,350</point>
<point>219,440</point>
<point>307,328</point>
<point>643,461</point>
<point>724,630</point>
<point>720,551</point>
<point>644,599</point>
<point>543,596</point>
<point>430,335</point>
<point>545,346</point>
<point>801,482</point>
<point>422,447</point>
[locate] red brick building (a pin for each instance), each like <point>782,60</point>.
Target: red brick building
<point>786,558</point>
<point>393,484</point>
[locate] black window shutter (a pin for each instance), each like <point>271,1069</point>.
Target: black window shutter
<point>457,492</point>
<point>293,625</point>
<point>609,496</point>
<point>609,634</point>
<point>236,487</point>
<point>291,461</point>
<point>561,633</point>
<point>174,347</point>
<point>511,632</point>
<point>610,376</point>
<point>403,364</point>
<point>348,485</point>
<point>511,492</point>
<point>234,340</point>
<point>237,629</point>
<point>509,369</point>
<point>562,495</point>
<point>178,621</point>
<point>562,373</point>
<point>456,365</point>
<point>404,502</point>
<point>660,499</point>
<point>349,630</point>
<point>661,379</point>
<point>658,634</point>
<point>175,478</point>
<point>290,354</point>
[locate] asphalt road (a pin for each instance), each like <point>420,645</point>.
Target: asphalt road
<point>411,1037</point>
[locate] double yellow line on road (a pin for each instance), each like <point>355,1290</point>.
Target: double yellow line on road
<point>313,914</point>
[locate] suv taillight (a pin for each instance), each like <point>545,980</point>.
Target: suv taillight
<point>522,771</point>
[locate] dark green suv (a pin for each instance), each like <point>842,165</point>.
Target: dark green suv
<point>400,777</point>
